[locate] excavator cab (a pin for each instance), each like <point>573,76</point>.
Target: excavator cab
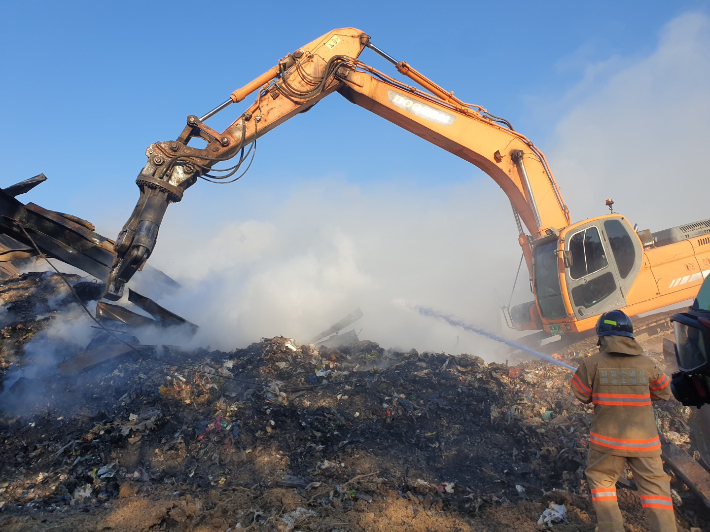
<point>584,271</point>
<point>602,259</point>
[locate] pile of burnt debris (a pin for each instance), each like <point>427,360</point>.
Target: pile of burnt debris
<point>286,436</point>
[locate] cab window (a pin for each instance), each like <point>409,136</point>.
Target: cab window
<point>589,294</point>
<point>587,253</point>
<point>547,281</point>
<point>621,246</point>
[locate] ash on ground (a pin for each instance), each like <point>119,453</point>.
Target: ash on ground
<point>283,436</point>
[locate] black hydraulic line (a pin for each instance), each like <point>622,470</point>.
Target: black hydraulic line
<point>234,169</point>
<point>253,144</point>
<point>499,120</point>
<point>330,67</point>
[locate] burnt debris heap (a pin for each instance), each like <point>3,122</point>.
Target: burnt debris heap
<point>283,436</point>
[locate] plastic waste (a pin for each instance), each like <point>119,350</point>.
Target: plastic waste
<point>556,513</point>
<point>291,519</point>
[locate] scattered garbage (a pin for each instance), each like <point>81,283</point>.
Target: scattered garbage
<point>555,513</point>
<point>290,344</point>
<point>107,471</point>
<point>678,439</point>
<point>83,493</point>
<point>448,487</point>
<point>215,425</point>
<point>297,516</point>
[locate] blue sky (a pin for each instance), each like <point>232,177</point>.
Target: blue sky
<point>601,87</point>
<point>88,85</point>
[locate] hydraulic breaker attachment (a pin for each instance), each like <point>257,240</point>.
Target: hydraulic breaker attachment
<point>137,240</point>
<point>172,167</point>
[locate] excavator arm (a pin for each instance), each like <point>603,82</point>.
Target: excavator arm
<point>297,83</point>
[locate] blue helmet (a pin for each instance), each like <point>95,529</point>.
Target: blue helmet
<point>615,323</point>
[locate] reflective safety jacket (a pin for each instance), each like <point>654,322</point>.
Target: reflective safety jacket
<point>621,383</point>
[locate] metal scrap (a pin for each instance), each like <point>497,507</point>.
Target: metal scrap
<point>330,334</point>
<point>87,359</point>
<point>28,231</point>
<point>688,470</point>
<point>162,315</point>
<point>108,312</point>
<point>67,238</point>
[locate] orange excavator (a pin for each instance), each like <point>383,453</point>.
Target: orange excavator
<point>578,270</point>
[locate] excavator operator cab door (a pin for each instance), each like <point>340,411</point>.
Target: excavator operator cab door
<point>602,259</point>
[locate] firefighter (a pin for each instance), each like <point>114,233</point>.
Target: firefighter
<point>621,383</point>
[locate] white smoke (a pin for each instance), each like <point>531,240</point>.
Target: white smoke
<point>334,246</point>
<point>67,335</point>
<point>639,135</point>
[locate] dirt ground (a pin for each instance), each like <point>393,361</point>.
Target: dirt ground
<point>280,436</point>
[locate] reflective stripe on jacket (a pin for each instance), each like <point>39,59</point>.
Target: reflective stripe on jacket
<point>621,384</point>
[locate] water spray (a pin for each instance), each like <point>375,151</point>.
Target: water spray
<point>456,322</point>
